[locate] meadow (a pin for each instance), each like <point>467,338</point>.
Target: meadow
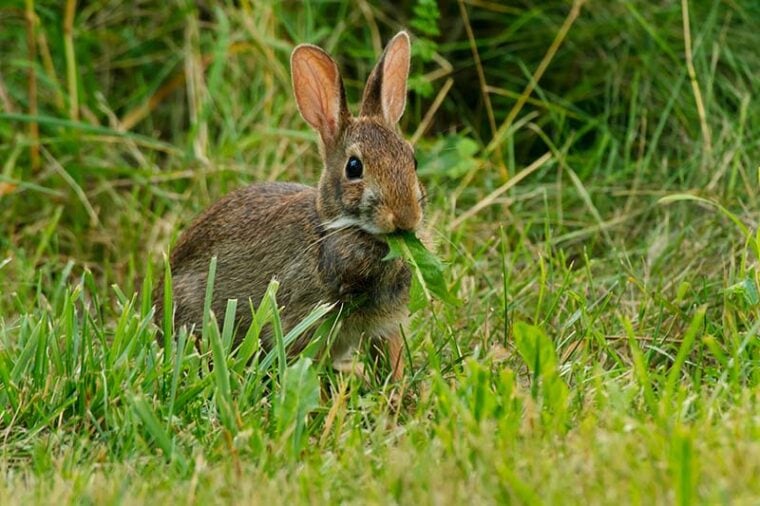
<point>593,170</point>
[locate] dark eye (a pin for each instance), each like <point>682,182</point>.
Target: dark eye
<point>354,168</point>
<point>415,165</point>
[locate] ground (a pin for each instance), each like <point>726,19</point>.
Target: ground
<point>594,186</point>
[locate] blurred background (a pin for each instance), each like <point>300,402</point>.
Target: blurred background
<point>593,171</point>
<point>120,121</point>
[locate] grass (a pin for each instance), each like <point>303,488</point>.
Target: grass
<point>599,227</point>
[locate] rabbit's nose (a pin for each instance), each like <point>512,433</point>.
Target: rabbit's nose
<point>406,220</point>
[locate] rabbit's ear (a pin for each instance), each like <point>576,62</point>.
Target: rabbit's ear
<point>319,92</point>
<point>385,92</point>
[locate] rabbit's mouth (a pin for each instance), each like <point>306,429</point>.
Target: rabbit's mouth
<point>376,230</point>
<point>349,222</point>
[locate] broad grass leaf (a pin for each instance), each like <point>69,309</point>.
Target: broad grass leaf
<point>450,157</point>
<point>539,354</point>
<point>298,397</point>
<point>747,289</point>
<point>153,427</point>
<point>427,270</point>
<point>535,348</point>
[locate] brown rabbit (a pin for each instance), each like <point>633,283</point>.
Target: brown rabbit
<point>323,244</point>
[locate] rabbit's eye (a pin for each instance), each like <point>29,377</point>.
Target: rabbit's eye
<point>415,165</point>
<point>354,168</point>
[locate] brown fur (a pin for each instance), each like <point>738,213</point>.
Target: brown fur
<point>322,244</point>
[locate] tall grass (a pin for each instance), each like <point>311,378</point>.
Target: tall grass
<point>593,178</point>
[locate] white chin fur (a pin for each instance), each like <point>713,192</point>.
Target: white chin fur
<point>349,221</point>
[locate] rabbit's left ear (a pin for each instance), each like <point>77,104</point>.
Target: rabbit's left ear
<point>385,92</point>
<point>319,93</point>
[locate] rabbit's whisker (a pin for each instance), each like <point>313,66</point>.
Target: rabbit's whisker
<point>342,222</point>
<point>332,232</point>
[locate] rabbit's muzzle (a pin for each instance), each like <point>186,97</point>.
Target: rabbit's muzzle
<point>400,219</point>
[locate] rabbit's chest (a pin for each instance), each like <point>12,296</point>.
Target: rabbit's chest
<point>381,290</point>
<point>359,278</point>
<point>374,305</point>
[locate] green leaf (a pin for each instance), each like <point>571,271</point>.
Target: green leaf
<point>223,393</point>
<point>539,354</point>
<point>452,157</point>
<point>299,397</point>
<point>153,426</point>
<point>259,316</point>
<point>309,321</point>
<point>426,16</point>
<point>747,289</point>
<point>535,348</point>
<point>696,327</point>
<point>421,86</point>
<point>168,323</point>
<point>427,270</point>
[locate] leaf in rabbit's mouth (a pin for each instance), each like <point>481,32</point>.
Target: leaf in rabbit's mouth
<point>427,270</point>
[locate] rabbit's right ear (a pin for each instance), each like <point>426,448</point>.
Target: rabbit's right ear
<point>319,92</point>
<point>385,91</point>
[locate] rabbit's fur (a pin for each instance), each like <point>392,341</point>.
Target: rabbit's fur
<point>322,244</point>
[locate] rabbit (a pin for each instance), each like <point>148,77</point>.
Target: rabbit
<point>323,244</point>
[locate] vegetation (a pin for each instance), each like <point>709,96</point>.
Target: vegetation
<point>594,184</point>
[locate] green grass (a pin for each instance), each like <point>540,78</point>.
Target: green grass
<point>604,247</point>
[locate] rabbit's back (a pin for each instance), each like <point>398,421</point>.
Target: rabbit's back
<point>257,233</point>
<point>240,216</point>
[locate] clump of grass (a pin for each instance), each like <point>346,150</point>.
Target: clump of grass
<point>605,345</point>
